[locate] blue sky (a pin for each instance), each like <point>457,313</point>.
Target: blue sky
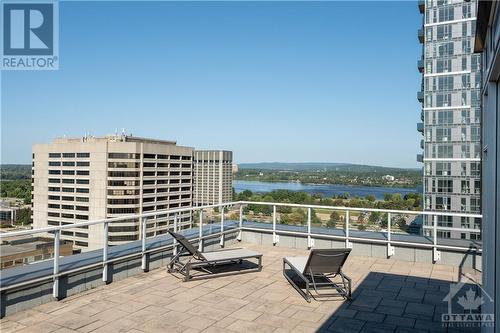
<point>272,81</point>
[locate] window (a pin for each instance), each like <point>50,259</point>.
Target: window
<point>67,216</point>
<point>82,181</point>
<point>54,163</point>
<point>82,190</point>
<point>54,197</point>
<point>68,155</point>
<point>68,181</point>
<point>82,208</point>
<point>54,189</point>
<point>83,163</point>
<point>54,180</point>
<point>82,172</point>
<point>54,206</point>
<point>54,155</point>
<point>443,169</point>
<point>123,165</point>
<point>124,238</point>
<point>123,156</point>
<point>149,165</point>
<point>66,163</point>
<point>148,182</point>
<point>68,189</point>
<point>68,172</point>
<point>54,172</point>
<point>465,189</point>
<point>65,198</point>
<point>123,229</point>
<point>83,155</point>
<point>123,182</point>
<point>53,214</point>
<point>445,186</point>
<point>132,210</point>
<point>122,174</point>
<point>153,156</point>
<point>83,244</point>
<point>82,199</point>
<point>81,217</point>
<point>68,207</point>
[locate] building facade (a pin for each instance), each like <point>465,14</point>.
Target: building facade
<point>90,178</point>
<point>487,44</point>
<point>213,177</point>
<point>451,119</point>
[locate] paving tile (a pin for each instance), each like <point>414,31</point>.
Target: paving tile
<point>245,314</point>
<point>72,320</point>
<point>419,309</point>
<point>308,316</point>
<point>399,321</point>
<point>277,321</point>
<point>250,326</point>
<point>346,325</point>
<point>197,322</point>
<point>371,327</point>
<point>389,310</point>
<point>370,316</point>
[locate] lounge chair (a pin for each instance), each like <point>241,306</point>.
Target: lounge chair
<point>318,269</point>
<point>205,260</point>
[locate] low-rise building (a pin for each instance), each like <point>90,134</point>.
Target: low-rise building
<point>27,250</point>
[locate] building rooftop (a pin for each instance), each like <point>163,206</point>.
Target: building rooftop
<point>388,296</point>
<point>112,138</point>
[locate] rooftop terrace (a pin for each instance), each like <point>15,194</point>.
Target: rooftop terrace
<point>389,295</point>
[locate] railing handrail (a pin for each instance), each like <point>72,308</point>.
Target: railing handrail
<point>235,203</point>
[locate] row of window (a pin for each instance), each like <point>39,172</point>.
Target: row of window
<point>136,210</point>
<point>69,172</point>
<point>68,181</point>
<point>66,198</point>
<point>68,207</point>
<point>68,189</point>
<point>60,223</point>
<point>69,163</point>
<point>148,156</point>
<point>69,155</point>
<point>68,216</point>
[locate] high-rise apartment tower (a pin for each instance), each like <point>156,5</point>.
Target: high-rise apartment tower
<point>450,96</point>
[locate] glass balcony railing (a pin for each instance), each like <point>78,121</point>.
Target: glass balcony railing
<point>420,127</point>
<point>421,6</point>
<point>420,34</point>
<point>420,65</point>
<point>420,96</point>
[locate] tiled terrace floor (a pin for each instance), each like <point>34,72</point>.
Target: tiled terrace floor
<point>389,296</point>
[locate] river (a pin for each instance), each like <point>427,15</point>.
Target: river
<point>327,190</point>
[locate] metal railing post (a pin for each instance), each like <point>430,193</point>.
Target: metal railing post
<point>174,250</point>
<point>310,242</point>
<point>144,263</point>
<point>240,224</point>
<point>436,254</point>
<point>222,227</point>
<point>390,248</point>
<point>200,232</point>
<point>105,254</point>
<point>55,287</point>
<point>275,237</point>
<point>348,244</point>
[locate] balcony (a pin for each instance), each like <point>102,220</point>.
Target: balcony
<point>399,279</point>
<point>420,158</point>
<point>420,127</point>
<point>420,96</point>
<point>420,65</point>
<point>422,115</point>
<point>422,143</point>
<point>420,34</point>
<point>421,6</point>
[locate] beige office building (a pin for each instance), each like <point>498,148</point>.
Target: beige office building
<point>213,177</point>
<point>84,179</point>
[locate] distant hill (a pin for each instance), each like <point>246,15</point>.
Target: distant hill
<point>321,166</point>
